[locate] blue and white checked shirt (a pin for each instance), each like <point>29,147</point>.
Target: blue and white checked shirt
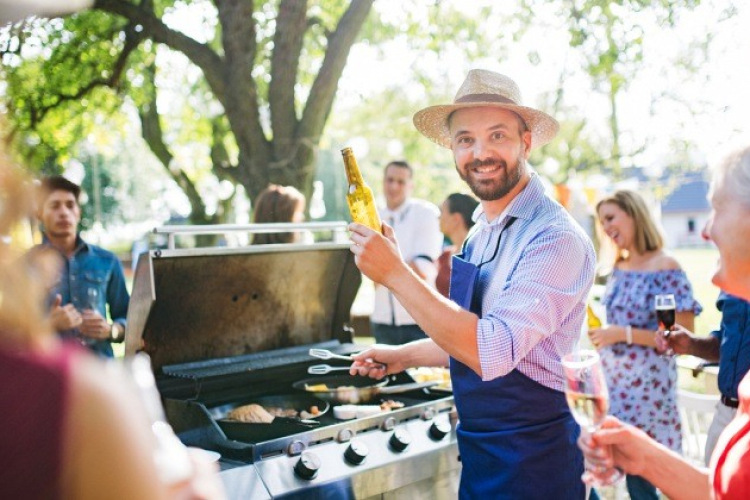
<point>533,293</point>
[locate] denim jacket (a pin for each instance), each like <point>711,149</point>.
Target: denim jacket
<point>734,337</point>
<point>92,267</point>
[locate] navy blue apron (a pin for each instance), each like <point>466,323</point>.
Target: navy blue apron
<point>516,437</point>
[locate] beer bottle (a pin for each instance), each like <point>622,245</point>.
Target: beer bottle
<point>359,196</point>
<point>592,319</point>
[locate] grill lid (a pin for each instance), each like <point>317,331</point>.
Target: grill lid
<point>199,304</point>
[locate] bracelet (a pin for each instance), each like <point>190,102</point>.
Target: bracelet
<point>629,334</point>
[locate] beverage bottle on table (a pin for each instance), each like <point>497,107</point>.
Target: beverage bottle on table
<point>359,195</point>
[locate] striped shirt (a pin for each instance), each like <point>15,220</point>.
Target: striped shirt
<point>533,291</point>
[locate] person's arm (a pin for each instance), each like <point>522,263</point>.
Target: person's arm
<point>612,334</point>
<point>108,448</point>
<point>531,308</point>
<point>118,299</point>
<point>623,446</point>
<point>397,358</point>
<point>378,257</point>
<point>683,341</point>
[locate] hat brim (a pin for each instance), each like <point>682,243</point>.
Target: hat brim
<point>432,122</point>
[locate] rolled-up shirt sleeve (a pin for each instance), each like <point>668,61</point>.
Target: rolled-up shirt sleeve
<point>544,292</point>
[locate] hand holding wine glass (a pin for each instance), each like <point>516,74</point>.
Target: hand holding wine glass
<point>665,313</point>
<point>588,399</point>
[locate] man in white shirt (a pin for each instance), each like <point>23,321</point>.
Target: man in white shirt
<point>417,227</point>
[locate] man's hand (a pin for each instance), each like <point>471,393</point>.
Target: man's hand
<point>616,444</point>
<point>376,255</point>
<point>680,340</point>
<point>369,363</point>
<point>64,317</point>
<point>94,325</point>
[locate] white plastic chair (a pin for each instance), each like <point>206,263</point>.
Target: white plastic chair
<point>696,412</point>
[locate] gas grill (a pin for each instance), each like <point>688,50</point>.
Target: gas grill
<point>224,326</point>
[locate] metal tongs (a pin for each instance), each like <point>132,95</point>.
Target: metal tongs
<point>323,369</point>
<point>326,354</point>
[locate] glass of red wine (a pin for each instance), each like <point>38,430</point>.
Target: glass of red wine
<point>588,399</point>
<point>665,314</point>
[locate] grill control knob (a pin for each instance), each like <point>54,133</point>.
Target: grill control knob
<point>307,466</point>
<point>356,453</point>
<point>400,440</point>
<point>440,429</point>
<point>345,435</point>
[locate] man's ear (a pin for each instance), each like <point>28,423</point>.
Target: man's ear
<point>527,144</point>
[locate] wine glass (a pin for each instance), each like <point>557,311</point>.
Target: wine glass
<point>588,398</point>
<point>665,314</point>
<point>92,298</point>
<point>92,303</point>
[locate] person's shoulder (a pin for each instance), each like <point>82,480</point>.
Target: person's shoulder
<point>662,261</point>
<point>424,205</point>
<point>101,252</point>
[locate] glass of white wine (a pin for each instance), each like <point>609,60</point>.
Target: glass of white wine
<point>588,398</point>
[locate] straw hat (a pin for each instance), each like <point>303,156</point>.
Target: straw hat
<point>485,88</point>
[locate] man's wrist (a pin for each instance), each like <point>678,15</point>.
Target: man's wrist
<point>115,332</point>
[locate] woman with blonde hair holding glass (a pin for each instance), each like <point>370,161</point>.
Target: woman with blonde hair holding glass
<point>643,381</point>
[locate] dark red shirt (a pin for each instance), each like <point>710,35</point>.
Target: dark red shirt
<point>34,393</point>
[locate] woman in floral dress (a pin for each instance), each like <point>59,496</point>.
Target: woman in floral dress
<point>642,382</point>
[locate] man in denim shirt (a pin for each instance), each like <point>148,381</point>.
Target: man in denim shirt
<point>91,278</point>
<point>730,346</point>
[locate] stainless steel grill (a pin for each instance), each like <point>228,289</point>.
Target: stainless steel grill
<point>226,325</point>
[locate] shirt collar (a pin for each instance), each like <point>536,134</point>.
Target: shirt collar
<point>523,206</point>
<point>80,244</point>
<point>397,212</point>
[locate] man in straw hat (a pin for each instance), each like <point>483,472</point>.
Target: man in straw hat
<point>518,293</point>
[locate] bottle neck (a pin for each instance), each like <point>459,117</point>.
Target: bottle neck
<point>353,175</point>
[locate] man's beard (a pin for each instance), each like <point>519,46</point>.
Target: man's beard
<point>494,189</point>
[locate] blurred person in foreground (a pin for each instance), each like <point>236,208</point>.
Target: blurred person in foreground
<point>518,300</point>
<point>64,431</point>
<point>278,204</point>
<point>90,279</point>
<point>415,224</point>
<point>642,381</point>
<point>456,214</point>
<point>730,346</point>
<point>620,445</point>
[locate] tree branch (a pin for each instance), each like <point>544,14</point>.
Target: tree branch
<point>324,88</point>
<point>37,114</point>
<point>291,24</point>
<point>152,133</point>
<point>241,104</point>
<point>200,54</point>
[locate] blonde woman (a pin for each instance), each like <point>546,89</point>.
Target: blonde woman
<point>642,381</point>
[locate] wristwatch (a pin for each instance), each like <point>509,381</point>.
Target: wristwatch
<point>114,332</point>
